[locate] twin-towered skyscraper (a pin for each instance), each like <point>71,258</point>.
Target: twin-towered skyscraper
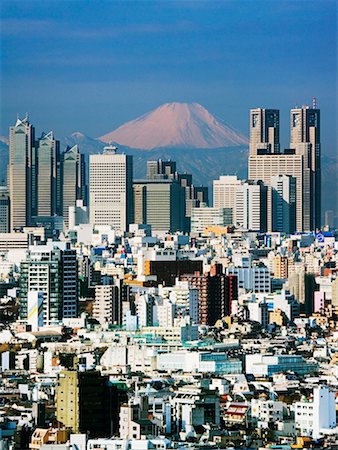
<point>42,182</point>
<point>301,163</point>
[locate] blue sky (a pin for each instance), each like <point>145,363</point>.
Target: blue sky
<point>92,65</point>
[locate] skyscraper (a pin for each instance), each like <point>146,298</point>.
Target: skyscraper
<point>111,189</point>
<point>45,179</point>
<point>302,161</point>
<point>283,203</point>
<point>250,209</point>
<point>305,139</point>
<point>21,142</point>
<point>264,131</point>
<point>225,191</point>
<point>73,180</point>
<point>265,166</point>
<point>159,169</point>
<point>4,209</point>
<point>160,203</point>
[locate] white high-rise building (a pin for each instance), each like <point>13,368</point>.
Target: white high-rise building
<point>225,191</point>
<point>111,189</point>
<point>250,208</point>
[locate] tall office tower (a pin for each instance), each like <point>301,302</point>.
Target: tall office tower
<point>283,190</point>
<point>225,191</point>
<point>264,131</point>
<point>202,194</point>
<point>51,270</point>
<point>159,170</point>
<point>265,166</point>
<point>85,402</point>
<point>111,189</point>
<point>73,180</point>
<point>251,206</point>
<point>45,176</point>
<point>305,139</point>
<point>21,142</point>
<point>185,180</point>
<point>160,203</point>
<point>4,209</point>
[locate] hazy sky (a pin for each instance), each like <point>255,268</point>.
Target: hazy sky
<point>92,65</point>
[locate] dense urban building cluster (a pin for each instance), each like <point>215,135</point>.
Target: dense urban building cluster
<point>135,316</point>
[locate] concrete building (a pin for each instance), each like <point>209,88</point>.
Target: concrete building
<point>215,293</point>
<point>305,138</point>
<point>335,292</point>
<point>4,210</point>
<point>84,402</point>
<point>111,190</point>
<point>280,266</point>
<point>107,305</point>
<point>264,131</point>
<point>161,204</point>
<point>317,417</point>
<point>46,195</point>
<point>266,365</point>
<point>224,191</point>
<point>185,299</point>
<point>301,161</point>
<point>21,143</point>
<point>252,278</point>
<point>52,270</point>
<point>205,217</point>
<point>35,309</point>
<point>73,181</point>
<point>265,166</point>
<point>251,206</point>
<point>283,191</point>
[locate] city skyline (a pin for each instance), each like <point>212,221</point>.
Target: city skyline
<point>168,225</point>
<point>100,76</point>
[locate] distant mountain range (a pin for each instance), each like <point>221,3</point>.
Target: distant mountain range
<point>187,133</point>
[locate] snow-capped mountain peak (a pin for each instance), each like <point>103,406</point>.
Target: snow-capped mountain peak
<point>176,125</point>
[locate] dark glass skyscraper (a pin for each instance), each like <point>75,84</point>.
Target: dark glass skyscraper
<point>73,180</point>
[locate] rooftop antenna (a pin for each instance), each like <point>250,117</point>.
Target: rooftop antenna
<point>110,148</point>
<point>314,102</point>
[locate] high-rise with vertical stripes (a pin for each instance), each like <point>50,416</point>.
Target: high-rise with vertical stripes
<point>111,189</point>
<point>21,143</point>
<point>301,161</point>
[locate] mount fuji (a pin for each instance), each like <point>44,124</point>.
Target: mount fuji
<point>176,125</point>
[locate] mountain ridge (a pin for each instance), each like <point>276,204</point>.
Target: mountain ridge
<point>176,125</point>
